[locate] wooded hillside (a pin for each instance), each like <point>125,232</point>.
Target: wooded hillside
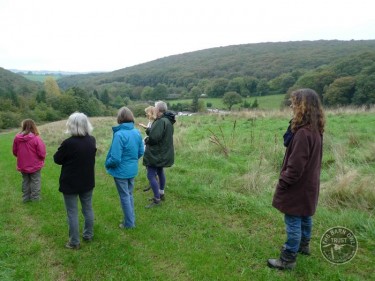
<point>274,63</point>
<point>342,72</point>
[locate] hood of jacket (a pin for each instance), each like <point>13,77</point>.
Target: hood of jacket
<point>123,126</point>
<point>25,138</point>
<point>170,116</point>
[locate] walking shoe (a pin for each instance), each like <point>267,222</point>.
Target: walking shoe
<point>280,264</point>
<point>155,202</point>
<point>72,247</point>
<point>87,239</point>
<point>287,260</point>
<point>162,197</point>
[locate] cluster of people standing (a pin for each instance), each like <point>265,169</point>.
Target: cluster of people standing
<point>296,194</point>
<point>76,155</point>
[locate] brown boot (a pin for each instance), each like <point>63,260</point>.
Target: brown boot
<point>287,260</point>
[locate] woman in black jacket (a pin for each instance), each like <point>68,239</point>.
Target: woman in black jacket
<point>76,154</point>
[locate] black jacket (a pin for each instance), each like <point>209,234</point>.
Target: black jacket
<point>77,157</point>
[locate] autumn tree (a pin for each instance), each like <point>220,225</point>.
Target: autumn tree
<point>51,88</point>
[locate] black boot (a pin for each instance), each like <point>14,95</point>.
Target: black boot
<point>304,247</point>
<point>287,260</point>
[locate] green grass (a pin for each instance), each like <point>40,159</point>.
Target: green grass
<point>217,222</point>
<point>272,102</point>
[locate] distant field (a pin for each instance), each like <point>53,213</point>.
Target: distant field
<point>40,77</point>
<point>265,103</point>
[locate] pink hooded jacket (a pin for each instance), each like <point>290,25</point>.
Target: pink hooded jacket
<point>30,151</point>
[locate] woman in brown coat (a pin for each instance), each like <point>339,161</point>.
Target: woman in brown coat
<point>297,190</point>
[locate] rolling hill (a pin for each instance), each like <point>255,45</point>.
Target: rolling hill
<point>12,83</point>
<point>262,61</point>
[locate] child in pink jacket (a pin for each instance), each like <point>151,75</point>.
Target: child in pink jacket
<point>30,151</point>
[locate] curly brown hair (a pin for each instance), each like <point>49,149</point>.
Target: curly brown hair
<point>307,110</point>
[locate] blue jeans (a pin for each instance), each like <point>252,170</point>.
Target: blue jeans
<point>125,189</point>
<point>297,228</point>
<point>71,205</point>
<point>156,177</point>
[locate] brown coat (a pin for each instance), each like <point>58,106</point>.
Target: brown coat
<point>297,190</point>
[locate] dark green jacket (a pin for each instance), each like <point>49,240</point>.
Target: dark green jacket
<point>159,143</point>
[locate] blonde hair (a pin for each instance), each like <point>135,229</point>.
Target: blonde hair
<point>78,125</point>
<point>150,112</point>
<point>29,126</point>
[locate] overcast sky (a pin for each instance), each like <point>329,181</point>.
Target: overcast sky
<point>106,35</point>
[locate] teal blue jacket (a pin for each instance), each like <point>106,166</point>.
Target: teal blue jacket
<point>126,148</point>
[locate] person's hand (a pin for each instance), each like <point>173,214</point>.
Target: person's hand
<point>142,125</point>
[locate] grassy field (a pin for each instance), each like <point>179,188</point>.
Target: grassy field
<point>41,77</point>
<point>272,102</point>
<point>217,222</point>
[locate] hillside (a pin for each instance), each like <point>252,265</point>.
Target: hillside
<point>263,61</point>
<point>341,72</point>
<point>12,83</point>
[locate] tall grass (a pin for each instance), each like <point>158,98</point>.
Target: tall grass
<point>217,222</point>
<point>271,102</point>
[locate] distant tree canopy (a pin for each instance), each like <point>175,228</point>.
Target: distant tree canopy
<point>231,98</point>
<point>341,72</point>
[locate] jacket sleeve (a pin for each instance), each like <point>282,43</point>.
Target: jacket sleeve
<point>41,149</point>
<point>60,155</point>
<point>297,160</point>
<point>115,153</point>
<point>15,147</point>
<point>141,147</point>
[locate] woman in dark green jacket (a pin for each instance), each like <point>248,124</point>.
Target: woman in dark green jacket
<point>159,151</point>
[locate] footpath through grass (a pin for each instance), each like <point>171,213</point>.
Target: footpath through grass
<point>217,222</point>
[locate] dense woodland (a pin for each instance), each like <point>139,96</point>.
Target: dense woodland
<point>342,72</point>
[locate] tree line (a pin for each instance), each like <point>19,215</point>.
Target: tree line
<point>342,73</point>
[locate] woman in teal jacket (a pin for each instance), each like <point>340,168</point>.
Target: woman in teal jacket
<point>122,162</point>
